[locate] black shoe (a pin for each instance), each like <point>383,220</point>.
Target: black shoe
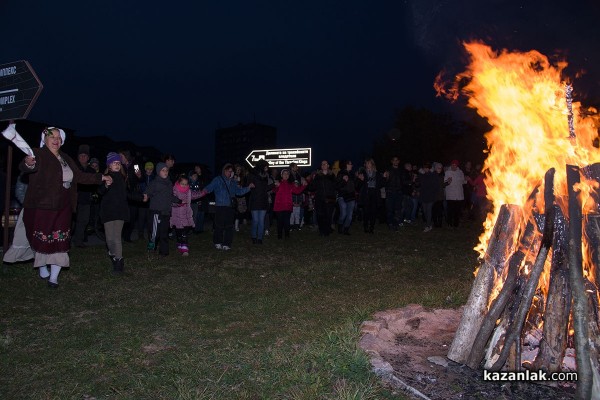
<point>259,241</point>
<point>52,285</point>
<point>340,228</point>
<point>347,231</point>
<point>118,265</point>
<point>254,241</point>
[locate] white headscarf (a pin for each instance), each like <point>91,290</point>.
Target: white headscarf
<point>63,136</point>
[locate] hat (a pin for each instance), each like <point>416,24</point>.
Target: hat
<point>454,162</point>
<point>94,160</point>
<point>112,157</point>
<point>83,149</point>
<point>160,166</point>
<point>149,164</point>
<point>45,131</point>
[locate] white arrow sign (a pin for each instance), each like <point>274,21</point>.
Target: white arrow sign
<point>281,158</point>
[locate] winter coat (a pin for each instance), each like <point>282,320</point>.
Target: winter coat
<point>346,189</point>
<point>84,192</point>
<point>363,186</point>
<point>145,181</point>
<point>259,194</point>
<point>395,179</point>
<point>454,190</point>
<point>479,189</point>
<point>160,193</point>
<point>133,182</point>
<point>324,187</point>
<point>181,213</point>
<point>225,190</point>
<point>283,195</point>
<point>45,190</point>
<point>407,182</point>
<point>113,206</point>
<point>431,185</point>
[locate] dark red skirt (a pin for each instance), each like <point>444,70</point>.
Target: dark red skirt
<point>49,231</point>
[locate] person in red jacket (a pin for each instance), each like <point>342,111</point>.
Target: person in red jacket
<point>283,204</point>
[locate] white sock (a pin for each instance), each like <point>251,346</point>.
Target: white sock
<point>54,271</point>
<point>44,273</point>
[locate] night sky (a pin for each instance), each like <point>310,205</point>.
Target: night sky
<point>328,74</point>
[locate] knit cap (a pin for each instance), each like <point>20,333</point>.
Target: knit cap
<point>94,160</point>
<point>112,157</point>
<point>149,164</point>
<point>160,166</point>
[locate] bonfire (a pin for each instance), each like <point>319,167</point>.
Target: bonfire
<point>534,301</point>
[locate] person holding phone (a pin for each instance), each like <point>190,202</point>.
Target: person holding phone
<point>133,181</point>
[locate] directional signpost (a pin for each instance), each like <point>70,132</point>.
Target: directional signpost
<point>281,158</point>
<point>19,89</point>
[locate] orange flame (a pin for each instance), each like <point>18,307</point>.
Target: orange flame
<point>522,96</point>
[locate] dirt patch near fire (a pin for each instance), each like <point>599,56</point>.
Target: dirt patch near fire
<point>408,348</point>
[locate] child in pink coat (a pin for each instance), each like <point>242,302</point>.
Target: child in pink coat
<point>181,214</point>
<point>283,204</point>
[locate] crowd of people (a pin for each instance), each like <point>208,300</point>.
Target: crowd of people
<point>62,196</point>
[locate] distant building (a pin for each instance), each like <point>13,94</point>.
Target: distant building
<point>233,144</point>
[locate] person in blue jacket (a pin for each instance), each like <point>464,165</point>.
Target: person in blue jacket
<point>225,188</point>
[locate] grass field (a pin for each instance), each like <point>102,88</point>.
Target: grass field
<point>277,321</point>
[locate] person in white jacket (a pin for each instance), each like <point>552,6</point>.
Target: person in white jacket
<point>454,179</point>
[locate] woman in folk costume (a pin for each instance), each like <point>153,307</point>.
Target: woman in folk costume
<point>50,200</point>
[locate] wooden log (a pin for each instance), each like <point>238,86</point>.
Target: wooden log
<point>489,322</point>
<point>594,338</point>
<point>558,302</point>
<point>514,331</point>
<point>592,172</point>
<point>592,235</point>
<point>503,237</point>
<point>498,338</point>
<point>580,306</point>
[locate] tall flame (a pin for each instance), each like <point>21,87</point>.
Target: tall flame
<point>522,96</point>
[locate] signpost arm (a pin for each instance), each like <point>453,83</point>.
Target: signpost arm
<point>7,197</point>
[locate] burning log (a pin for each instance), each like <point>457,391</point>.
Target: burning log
<point>558,302</point>
<point>501,242</point>
<point>500,302</point>
<point>592,233</point>
<point>523,122</point>
<point>525,301</point>
<point>580,309</point>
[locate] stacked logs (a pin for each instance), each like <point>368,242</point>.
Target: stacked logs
<point>492,329</point>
